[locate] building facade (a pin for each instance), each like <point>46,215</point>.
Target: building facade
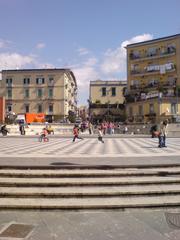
<point>2,109</point>
<point>153,80</point>
<point>106,100</point>
<point>49,91</point>
<point>83,112</point>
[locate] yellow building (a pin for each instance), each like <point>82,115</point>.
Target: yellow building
<point>153,73</point>
<point>106,100</point>
<point>49,91</point>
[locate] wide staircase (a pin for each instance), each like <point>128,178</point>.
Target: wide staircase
<point>89,187</point>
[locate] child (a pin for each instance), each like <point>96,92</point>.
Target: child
<point>100,134</point>
<point>43,135</point>
<point>76,133</point>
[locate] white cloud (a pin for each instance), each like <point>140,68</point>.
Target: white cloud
<point>138,38</point>
<point>45,65</point>
<point>4,43</point>
<point>40,45</point>
<point>83,51</point>
<point>15,60</point>
<point>85,72</point>
<point>115,60</point>
<point>91,61</point>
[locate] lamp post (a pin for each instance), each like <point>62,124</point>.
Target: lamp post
<point>177,99</point>
<point>160,103</point>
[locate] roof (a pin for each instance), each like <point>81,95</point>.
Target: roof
<point>108,82</point>
<point>36,69</point>
<point>42,70</point>
<point>153,41</point>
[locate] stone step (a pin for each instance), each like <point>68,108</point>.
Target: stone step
<point>76,188</point>
<point>83,181</point>
<point>100,191</point>
<point>88,172</point>
<point>89,203</point>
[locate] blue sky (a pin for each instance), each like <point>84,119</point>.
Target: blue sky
<point>87,36</point>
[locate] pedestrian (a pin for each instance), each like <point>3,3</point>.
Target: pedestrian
<point>43,136</point>
<point>4,130</point>
<point>163,134</point>
<point>125,130</point>
<point>100,135</point>
<point>90,128</point>
<point>76,133</point>
<point>104,127</point>
<point>21,129</point>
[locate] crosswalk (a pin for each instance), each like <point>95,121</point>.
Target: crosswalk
<point>88,147</point>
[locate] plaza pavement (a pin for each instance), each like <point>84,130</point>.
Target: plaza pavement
<point>149,224</point>
<point>127,150</point>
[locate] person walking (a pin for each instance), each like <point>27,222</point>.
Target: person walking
<point>100,135</point>
<point>90,128</point>
<point>76,133</point>
<point>21,129</point>
<point>163,134</point>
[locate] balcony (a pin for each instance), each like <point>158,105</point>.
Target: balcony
<point>9,85</point>
<point>169,51</point>
<point>51,84</point>
<point>106,105</point>
<point>154,70</point>
<point>130,98</point>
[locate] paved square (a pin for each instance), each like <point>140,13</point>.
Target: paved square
<point>89,147</point>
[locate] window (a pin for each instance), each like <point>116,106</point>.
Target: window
<point>135,68</point>
<point>39,108</point>
<point>151,108</point>
<point>103,91</point>
<point>130,111</point>
<point>50,108</point>
<point>51,80</point>
<point>140,110</point>
<point>9,81</point>
<point>153,82</point>
<point>26,93</point>
<point>50,92</point>
<point>40,81</point>
<point>151,51</point>
<point>27,108</point>
<point>39,92</point>
<point>26,81</point>
<point>113,91</point>
<point>134,54</point>
<point>173,108</point>
<point>9,93</point>
<point>171,48</point>
<point>135,83</point>
<point>9,108</point>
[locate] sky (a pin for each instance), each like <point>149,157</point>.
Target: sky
<point>87,36</point>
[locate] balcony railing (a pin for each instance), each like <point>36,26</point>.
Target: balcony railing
<point>137,98</point>
<point>170,51</point>
<point>106,105</point>
<point>151,72</point>
<point>9,85</point>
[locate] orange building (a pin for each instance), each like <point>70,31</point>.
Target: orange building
<point>2,109</point>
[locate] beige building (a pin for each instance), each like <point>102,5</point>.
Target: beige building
<point>106,100</point>
<point>153,73</point>
<point>49,91</point>
<point>83,112</point>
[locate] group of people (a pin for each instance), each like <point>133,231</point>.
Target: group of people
<point>102,129</point>
<point>161,133</point>
<point>76,133</point>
